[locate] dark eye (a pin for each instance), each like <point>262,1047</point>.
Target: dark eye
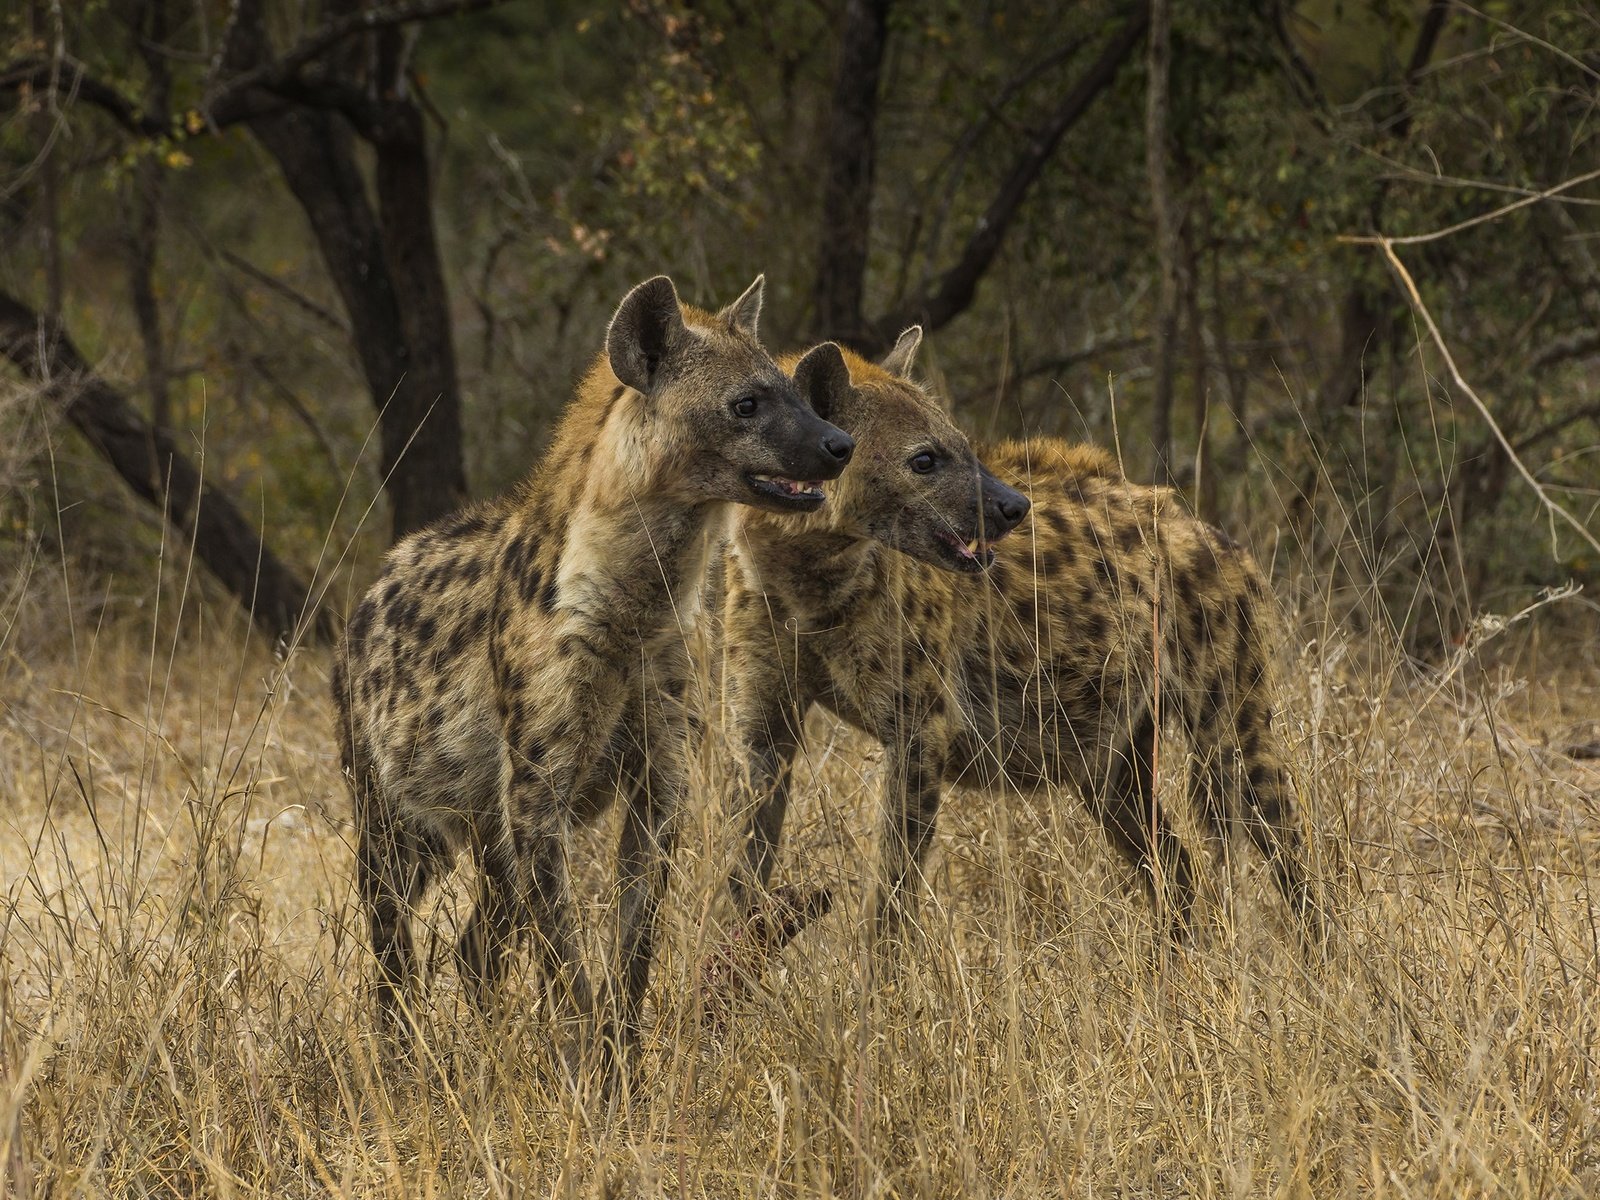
<point>924,462</point>
<point>745,406</point>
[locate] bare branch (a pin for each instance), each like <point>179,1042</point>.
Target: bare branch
<point>951,295</point>
<point>149,462</point>
<point>1421,310</point>
<point>280,71</point>
<point>68,78</point>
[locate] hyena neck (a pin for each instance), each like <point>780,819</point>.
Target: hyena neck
<point>630,550</point>
<point>814,572</point>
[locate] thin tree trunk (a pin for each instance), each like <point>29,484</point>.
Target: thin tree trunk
<point>1165,218</point>
<point>1205,479</point>
<point>412,384</point>
<point>848,153</point>
<point>147,188</point>
<point>150,463</point>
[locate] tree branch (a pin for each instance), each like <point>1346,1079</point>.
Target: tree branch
<point>226,105</point>
<point>149,462</point>
<point>953,292</point>
<point>68,77</point>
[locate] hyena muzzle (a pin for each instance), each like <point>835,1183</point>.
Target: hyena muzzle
<point>519,664</point>
<point>1048,658</point>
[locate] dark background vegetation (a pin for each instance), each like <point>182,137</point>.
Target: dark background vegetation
<point>260,258</point>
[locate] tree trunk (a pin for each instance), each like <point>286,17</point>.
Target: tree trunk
<point>848,153</point>
<point>149,461</point>
<point>411,382</point>
<point>1165,218</point>
<point>385,265</point>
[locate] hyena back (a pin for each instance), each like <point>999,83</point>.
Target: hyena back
<point>1051,657</point>
<point>518,664</point>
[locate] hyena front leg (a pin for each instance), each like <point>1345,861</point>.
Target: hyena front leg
<point>654,782</point>
<point>556,729</point>
<point>769,742</point>
<point>498,924</point>
<point>772,688</point>
<point>910,811</point>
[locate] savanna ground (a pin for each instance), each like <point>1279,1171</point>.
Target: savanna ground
<point>183,1010</point>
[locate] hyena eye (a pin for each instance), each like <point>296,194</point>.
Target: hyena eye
<point>924,462</point>
<point>745,406</point>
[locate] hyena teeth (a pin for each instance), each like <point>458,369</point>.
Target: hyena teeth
<point>794,487</point>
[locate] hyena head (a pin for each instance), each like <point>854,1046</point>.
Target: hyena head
<point>722,421</point>
<point>917,484</point>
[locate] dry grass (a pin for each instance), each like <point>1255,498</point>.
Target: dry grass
<point>181,1007</point>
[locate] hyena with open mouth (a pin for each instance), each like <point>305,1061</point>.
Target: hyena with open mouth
<point>520,663</point>
<point>1042,658</point>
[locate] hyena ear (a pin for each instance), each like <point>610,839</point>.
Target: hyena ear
<point>823,379</point>
<point>745,312</point>
<point>647,326</point>
<point>898,361</point>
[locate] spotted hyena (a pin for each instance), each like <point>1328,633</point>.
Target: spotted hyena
<point>518,664</point>
<point>1048,657</point>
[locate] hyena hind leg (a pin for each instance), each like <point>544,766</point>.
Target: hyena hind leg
<point>497,926</point>
<point>1137,826</point>
<point>393,869</point>
<point>1257,795</point>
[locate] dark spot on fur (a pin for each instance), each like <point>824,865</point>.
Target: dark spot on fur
<point>547,600</point>
<point>426,628</point>
<point>464,524</point>
<point>529,582</point>
<point>1093,626</point>
<point>471,570</point>
<point>1222,539</point>
<point>361,622</point>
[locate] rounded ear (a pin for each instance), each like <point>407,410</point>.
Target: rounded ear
<point>898,361</point>
<point>823,379</point>
<point>745,312</point>
<point>648,324</point>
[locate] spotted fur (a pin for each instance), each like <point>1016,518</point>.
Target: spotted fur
<point>1042,669</point>
<point>518,664</point>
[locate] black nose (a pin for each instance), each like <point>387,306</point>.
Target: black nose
<point>1014,507</point>
<point>839,445</point>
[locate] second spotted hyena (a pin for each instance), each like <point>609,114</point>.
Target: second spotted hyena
<point>1047,658</point>
<point>518,664</point>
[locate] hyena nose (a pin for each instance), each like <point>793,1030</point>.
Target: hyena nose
<point>1010,506</point>
<point>1014,507</point>
<point>839,445</point>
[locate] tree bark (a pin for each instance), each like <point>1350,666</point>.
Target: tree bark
<point>278,601</point>
<point>849,150</point>
<point>1164,216</point>
<point>384,264</point>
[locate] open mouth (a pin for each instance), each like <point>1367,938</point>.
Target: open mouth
<point>790,493</point>
<point>975,555</point>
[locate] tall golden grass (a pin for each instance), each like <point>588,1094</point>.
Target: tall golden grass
<point>183,971</point>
